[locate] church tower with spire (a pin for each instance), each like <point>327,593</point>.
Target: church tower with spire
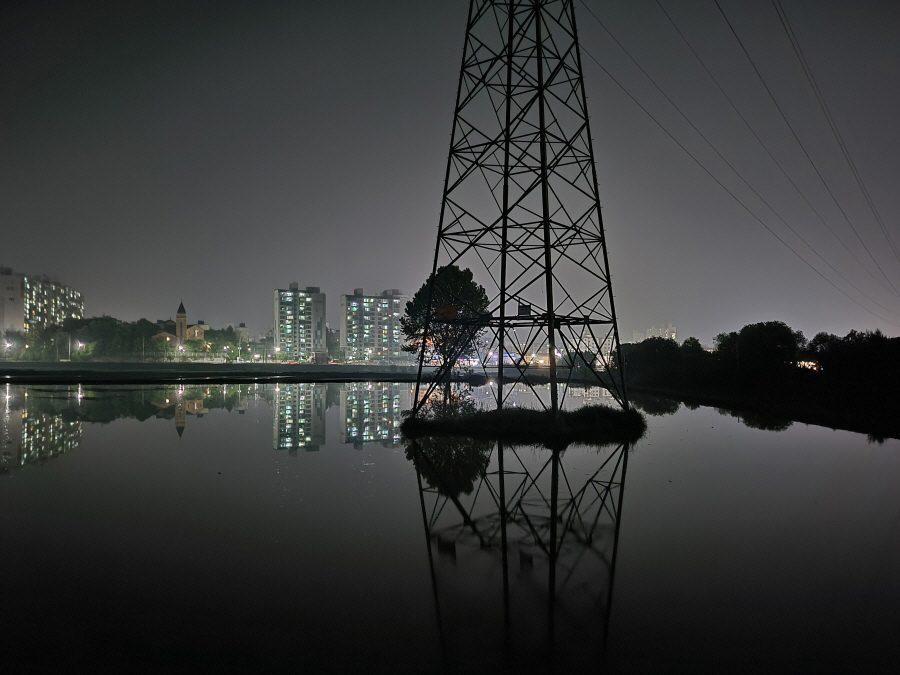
<point>180,324</point>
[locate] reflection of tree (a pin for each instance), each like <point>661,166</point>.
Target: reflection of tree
<point>655,405</point>
<point>105,404</point>
<point>757,420</point>
<point>87,405</point>
<point>450,465</point>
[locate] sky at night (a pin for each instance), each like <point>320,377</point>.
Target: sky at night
<point>214,151</point>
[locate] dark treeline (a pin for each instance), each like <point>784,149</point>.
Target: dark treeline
<point>843,382</point>
<point>104,337</point>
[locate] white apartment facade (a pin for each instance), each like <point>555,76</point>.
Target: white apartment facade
<point>28,303</point>
<point>370,326</point>
<point>299,322</point>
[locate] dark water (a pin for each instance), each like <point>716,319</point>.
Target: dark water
<point>249,529</point>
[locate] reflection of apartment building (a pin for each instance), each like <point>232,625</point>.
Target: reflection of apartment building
<point>370,325</point>
<point>298,416</point>
<point>299,322</point>
<point>667,331</point>
<point>42,437</point>
<point>28,303</point>
<point>370,412</point>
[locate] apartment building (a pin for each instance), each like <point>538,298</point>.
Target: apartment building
<point>299,322</point>
<point>29,302</point>
<point>370,326</point>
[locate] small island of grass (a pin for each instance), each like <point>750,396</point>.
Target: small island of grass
<point>589,425</point>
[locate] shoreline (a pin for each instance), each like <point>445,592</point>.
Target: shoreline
<point>113,372</point>
<point>197,373</point>
<point>841,416</point>
<point>843,419</point>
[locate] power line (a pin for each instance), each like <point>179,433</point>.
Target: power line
<point>730,166</point>
<point>730,193</point>
<point>798,51</point>
<point>771,156</point>
<point>797,138</point>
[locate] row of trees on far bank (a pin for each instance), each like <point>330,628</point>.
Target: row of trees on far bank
<point>766,352</point>
<point>107,338</point>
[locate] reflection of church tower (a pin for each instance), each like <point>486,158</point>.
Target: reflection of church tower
<point>180,324</point>
<point>179,412</point>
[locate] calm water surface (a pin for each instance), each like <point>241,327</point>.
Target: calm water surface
<point>259,528</point>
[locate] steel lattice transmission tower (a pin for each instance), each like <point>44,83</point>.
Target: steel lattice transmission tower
<point>521,206</point>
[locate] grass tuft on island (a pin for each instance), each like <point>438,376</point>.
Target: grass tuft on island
<point>588,425</point>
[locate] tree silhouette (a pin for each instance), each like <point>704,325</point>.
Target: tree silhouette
<point>457,305</point>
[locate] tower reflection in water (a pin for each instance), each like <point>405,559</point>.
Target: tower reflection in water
<point>522,546</point>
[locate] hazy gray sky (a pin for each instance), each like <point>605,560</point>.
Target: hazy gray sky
<point>213,151</point>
